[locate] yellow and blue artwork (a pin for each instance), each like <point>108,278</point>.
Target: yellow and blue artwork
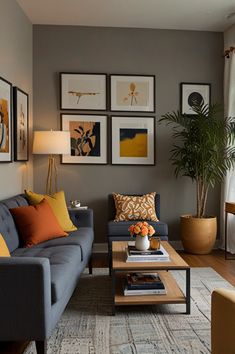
<point>133,142</point>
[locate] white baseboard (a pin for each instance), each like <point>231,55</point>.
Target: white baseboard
<point>177,245</point>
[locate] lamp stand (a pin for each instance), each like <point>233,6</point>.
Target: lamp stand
<point>51,176</point>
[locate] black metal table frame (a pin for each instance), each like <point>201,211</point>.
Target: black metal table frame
<point>155,268</point>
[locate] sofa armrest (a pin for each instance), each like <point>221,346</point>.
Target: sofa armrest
<point>222,321</point>
<point>25,298</point>
<point>82,217</point>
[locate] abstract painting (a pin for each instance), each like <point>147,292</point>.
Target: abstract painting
<point>133,140</point>
<point>88,136</point>
<point>132,93</point>
<point>194,94</point>
<point>21,125</point>
<point>5,121</point>
<point>83,91</point>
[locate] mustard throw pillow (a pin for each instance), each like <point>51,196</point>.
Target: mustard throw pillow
<point>4,251</point>
<point>58,204</point>
<point>131,207</point>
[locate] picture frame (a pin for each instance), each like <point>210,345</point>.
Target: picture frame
<point>133,140</point>
<point>132,93</point>
<point>200,93</point>
<point>21,124</point>
<point>5,120</point>
<point>88,138</point>
<point>84,92</point>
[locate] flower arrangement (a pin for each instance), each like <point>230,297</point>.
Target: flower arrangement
<point>141,229</point>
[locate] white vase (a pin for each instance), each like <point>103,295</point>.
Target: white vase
<point>142,243</point>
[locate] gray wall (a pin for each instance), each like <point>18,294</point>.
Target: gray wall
<point>16,66</point>
<point>174,57</point>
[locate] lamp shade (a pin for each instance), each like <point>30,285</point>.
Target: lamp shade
<point>51,142</point>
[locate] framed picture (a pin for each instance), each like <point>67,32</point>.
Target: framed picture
<point>21,125</point>
<point>133,140</point>
<point>88,135</point>
<point>83,91</point>
<point>132,93</point>
<point>192,94</point>
<point>5,121</point>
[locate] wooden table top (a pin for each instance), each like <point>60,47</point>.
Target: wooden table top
<point>119,258</point>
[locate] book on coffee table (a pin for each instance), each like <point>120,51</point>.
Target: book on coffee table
<point>143,284</point>
<point>134,255</point>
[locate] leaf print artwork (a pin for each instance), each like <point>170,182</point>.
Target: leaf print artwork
<point>82,94</point>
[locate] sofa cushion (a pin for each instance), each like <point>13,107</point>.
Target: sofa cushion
<point>37,223</point>
<point>133,207</point>
<point>7,225</point>
<point>64,262</point>
<point>4,251</point>
<point>58,204</point>
<point>121,228</point>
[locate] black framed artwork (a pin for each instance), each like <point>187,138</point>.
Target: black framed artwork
<point>194,94</point>
<point>133,140</point>
<point>21,124</point>
<point>80,91</point>
<point>132,93</point>
<point>5,121</point>
<point>88,137</point>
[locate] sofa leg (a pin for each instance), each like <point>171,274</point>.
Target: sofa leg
<point>90,265</point>
<point>41,346</point>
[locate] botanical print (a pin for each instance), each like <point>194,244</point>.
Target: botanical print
<point>85,138</point>
<point>83,91</point>
<point>88,138</point>
<point>4,125</point>
<point>132,93</point>
<point>21,121</point>
<point>194,94</point>
<point>133,142</point>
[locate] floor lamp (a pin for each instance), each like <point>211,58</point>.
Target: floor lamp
<point>51,143</point>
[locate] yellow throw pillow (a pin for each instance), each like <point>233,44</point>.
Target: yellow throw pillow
<point>4,251</point>
<point>58,204</point>
<point>131,207</point>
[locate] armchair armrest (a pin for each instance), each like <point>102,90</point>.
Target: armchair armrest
<point>25,298</point>
<point>82,217</point>
<point>222,321</point>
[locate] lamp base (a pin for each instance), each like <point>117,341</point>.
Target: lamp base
<point>51,185</point>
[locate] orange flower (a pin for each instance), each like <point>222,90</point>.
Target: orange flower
<point>144,231</point>
<point>131,229</point>
<point>139,223</point>
<point>145,223</point>
<point>136,229</point>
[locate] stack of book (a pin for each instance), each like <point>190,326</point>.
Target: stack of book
<point>143,284</point>
<point>134,255</point>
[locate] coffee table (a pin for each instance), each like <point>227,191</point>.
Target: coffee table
<point>174,294</point>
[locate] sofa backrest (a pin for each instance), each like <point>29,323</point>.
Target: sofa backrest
<point>7,225</point>
<point>112,208</point>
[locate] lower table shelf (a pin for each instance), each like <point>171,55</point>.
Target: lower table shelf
<point>174,294</point>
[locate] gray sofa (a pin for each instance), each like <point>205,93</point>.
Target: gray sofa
<point>36,283</point>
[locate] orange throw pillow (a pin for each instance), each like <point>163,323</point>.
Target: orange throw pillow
<point>36,223</point>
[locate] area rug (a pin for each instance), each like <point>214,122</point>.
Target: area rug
<point>87,326</point>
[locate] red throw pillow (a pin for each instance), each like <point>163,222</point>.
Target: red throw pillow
<point>37,223</point>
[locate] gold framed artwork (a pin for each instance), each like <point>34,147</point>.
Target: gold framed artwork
<point>83,91</point>
<point>133,140</point>
<point>21,125</point>
<point>132,93</point>
<point>5,120</point>
<point>88,136</point>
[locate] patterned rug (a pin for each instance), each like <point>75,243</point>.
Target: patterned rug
<point>87,326</point>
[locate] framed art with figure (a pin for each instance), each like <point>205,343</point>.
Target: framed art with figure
<point>132,93</point>
<point>88,136</point>
<point>194,94</point>
<point>21,125</point>
<point>133,140</point>
<point>5,121</point>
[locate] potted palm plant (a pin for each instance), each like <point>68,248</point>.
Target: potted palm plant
<point>204,151</point>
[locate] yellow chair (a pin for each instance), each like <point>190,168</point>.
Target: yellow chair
<point>223,322</point>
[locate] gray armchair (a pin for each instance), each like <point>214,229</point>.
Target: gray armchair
<point>118,231</point>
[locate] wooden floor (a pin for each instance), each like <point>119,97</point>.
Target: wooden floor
<point>216,260</point>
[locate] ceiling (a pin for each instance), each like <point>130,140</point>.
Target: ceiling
<point>205,15</point>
